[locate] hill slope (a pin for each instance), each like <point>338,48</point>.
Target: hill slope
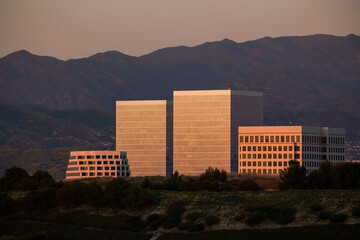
<point>310,80</point>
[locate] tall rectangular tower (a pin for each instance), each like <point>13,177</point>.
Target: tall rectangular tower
<point>144,131</point>
<point>205,128</point>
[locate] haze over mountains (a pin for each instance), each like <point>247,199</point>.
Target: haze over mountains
<point>310,80</point>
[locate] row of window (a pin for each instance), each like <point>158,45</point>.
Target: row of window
<point>268,156</point>
<point>97,157</point>
<point>261,139</point>
<point>313,149</point>
<point>105,168</point>
<point>264,163</point>
<point>337,157</point>
<point>267,148</point>
<point>260,171</point>
<point>119,174</point>
<point>314,156</point>
<point>336,150</point>
<point>336,140</point>
<point>123,162</point>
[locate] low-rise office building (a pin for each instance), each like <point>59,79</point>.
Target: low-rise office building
<point>94,164</point>
<point>268,149</point>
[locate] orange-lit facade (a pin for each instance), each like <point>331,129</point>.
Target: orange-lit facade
<point>205,128</point>
<point>268,149</point>
<point>95,164</point>
<point>144,131</point>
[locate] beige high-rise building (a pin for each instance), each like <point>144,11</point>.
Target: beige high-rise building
<point>205,128</point>
<point>144,131</point>
<point>268,149</point>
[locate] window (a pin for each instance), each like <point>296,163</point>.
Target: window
<point>287,138</point>
<point>105,162</point>
<point>275,164</point>
<point>244,164</point>
<point>275,148</point>
<point>259,164</point>
<point>264,148</point>
<point>84,174</point>
<point>275,171</point>
<point>290,148</point>
<point>285,148</point>
<point>274,156</point>
<point>254,156</point>
<point>249,148</point>
<point>106,174</point>
<point>259,148</point>
<point>292,138</point>
<point>266,138</point>
<point>297,138</point>
<point>256,138</point>
<point>97,156</point>
<point>249,163</point>
<point>254,148</point>
<point>280,156</point>
<point>117,162</point>
<point>99,162</point>
<point>280,148</point>
<point>106,168</point>
<point>290,156</point>
<point>103,156</point>
<point>92,168</point>
<point>259,156</point>
<point>269,164</point>
<point>269,148</point>
<point>280,164</point>
<point>112,174</point>
<point>241,139</point>
<point>251,138</point>
<point>277,139</point>
<point>285,164</point>
<point>264,156</point>
<point>264,164</point>
<point>282,139</point>
<point>249,156</point>
<point>272,138</point>
<point>259,171</point>
<point>99,174</point>
<point>264,171</point>
<point>261,138</point>
<point>111,162</point>
<point>244,156</point>
<point>246,138</point>
<point>254,164</point>
<point>244,148</point>
<point>112,168</point>
<point>91,174</point>
<point>269,156</point>
<point>110,156</point>
<point>99,168</point>
<point>116,156</point>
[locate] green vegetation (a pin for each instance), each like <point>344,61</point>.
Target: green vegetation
<point>338,176</point>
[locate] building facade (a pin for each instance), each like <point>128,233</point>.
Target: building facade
<point>268,149</point>
<point>205,128</point>
<point>144,131</point>
<point>94,164</point>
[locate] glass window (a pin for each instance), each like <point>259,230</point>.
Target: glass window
<point>244,148</point>
<point>264,148</point>
<point>254,148</point>
<point>259,148</point>
<point>256,138</point>
<point>241,138</point>
<point>297,138</point>
<point>264,156</point>
<point>251,138</point>
<point>272,138</point>
<point>275,164</point>
<point>264,164</point>
<point>277,139</point>
<point>269,148</point>
<point>287,138</point>
<point>269,164</point>
<point>259,156</point>
<point>292,138</point>
<point>254,164</point>
<point>290,148</point>
<point>249,148</point>
<point>261,138</point>
<point>275,148</point>
<point>266,138</point>
<point>246,138</point>
<point>259,164</point>
<point>254,156</point>
<point>280,148</point>
<point>282,139</point>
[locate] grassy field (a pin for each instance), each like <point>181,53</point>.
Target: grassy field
<point>232,209</point>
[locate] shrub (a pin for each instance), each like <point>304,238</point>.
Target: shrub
<point>293,177</point>
<point>212,220</point>
<point>247,185</point>
<point>239,218</point>
<point>324,215</point>
<point>256,218</point>
<point>259,208</point>
<point>184,226</point>
<point>173,215</point>
<point>346,175</point>
<point>7,204</point>
<point>192,217</point>
<point>42,199</point>
<point>15,178</point>
<point>152,217</point>
<point>338,218</point>
<point>317,207</point>
<point>355,211</point>
<point>282,215</point>
<point>197,227</point>
<point>42,179</point>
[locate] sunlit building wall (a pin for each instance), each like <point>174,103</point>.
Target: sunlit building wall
<point>268,149</point>
<point>144,131</point>
<point>205,128</point>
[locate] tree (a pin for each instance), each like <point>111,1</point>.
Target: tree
<point>15,178</point>
<point>293,177</point>
<point>321,178</point>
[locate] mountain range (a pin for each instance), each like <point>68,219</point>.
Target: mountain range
<point>310,80</point>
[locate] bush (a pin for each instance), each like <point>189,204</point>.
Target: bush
<point>197,227</point>
<point>212,220</point>
<point>282,215</point>
<point>324,215</point>
<point>259,208</point>
<point>256,218</point>
<point>316,207</point>
<point>7,204</point>
<point>42,199</point>
<point>355,211</point>
<point>247,185</point>
<point>15,178</point>
<point>239,218</point>
<point>346,175</point>
<point>294,177</point>
<point>338,218</point>
<point>184,226</point>
<point>192,217</point>
<point>173,215</point>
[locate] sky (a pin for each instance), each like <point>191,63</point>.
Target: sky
<point>80,28</point>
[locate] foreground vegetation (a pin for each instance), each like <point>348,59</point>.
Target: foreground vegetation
<point>177,207</point>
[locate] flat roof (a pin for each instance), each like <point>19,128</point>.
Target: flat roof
<point>289,129</point>
<point>217,92</point>
<point>143,102</point>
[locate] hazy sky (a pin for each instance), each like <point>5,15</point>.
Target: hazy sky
<point>80,28</point>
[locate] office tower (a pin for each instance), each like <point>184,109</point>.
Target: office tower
<point>144,131</point>
<point>267,150</point>
<point>94,164</point>
<point>205,128</point>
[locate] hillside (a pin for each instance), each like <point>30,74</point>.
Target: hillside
<point>310,80</point>
<point>42,128</point>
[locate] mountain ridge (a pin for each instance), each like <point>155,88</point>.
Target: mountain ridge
<point>311,80</point>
